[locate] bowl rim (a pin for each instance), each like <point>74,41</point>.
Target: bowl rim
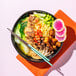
<point>19,51</point>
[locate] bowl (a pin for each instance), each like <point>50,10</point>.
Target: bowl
<point>26,14</point>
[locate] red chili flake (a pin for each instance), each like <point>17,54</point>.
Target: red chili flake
<point>40,31</point>
<point>37,32</point>
<point>36,41</point>
<point>41,36</point>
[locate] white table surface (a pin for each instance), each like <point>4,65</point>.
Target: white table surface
<point>10,10</point>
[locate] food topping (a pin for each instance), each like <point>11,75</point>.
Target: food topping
<point>54,40</point>
<point>58,44</point>
<point>52,32</point>
<point>60,30</point>
<point>31,18</point>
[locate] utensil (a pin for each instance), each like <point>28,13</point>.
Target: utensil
<point>33,49</point>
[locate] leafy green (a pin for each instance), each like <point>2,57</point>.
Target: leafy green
<point>18,33</point>
<point>23,25</point>
<point>19,30</point>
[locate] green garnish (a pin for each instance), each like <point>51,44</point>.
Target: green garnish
<point>46,18</point>
<point>23,25</point>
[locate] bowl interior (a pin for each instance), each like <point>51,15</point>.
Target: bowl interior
<point>17,48</point>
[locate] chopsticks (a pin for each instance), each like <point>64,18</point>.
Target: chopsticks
<point>33,49</point>
<point>42,56</point>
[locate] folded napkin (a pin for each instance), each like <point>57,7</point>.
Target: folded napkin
<point>40,69</point>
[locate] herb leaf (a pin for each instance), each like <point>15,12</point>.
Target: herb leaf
<point>23,25</point>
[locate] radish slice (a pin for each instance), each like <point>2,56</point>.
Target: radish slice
<point>61,33</point>
<point>58,25</point>
<point>60,39</point>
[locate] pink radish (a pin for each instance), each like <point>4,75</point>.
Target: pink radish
<point>58,25</point>
<point>60,39</point>
<point>61,33</point>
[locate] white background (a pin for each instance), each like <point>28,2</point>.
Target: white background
<point>10,10</point>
